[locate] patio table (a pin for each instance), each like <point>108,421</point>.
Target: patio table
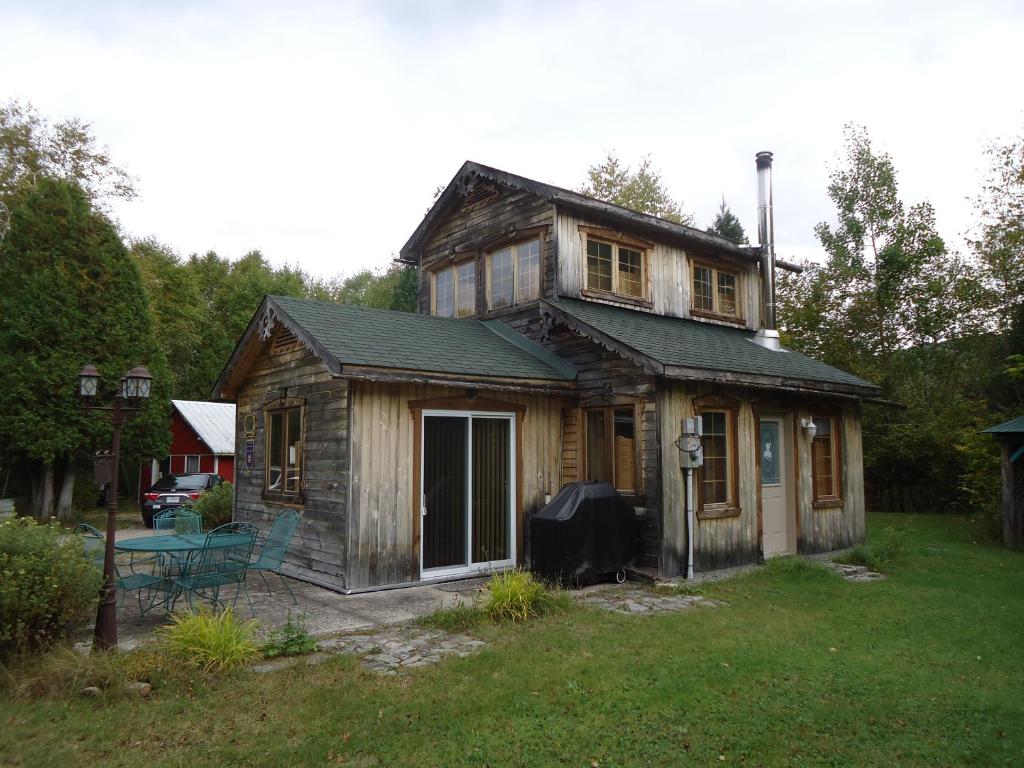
<point>181,548</point>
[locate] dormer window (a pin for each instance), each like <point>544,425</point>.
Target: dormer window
<point>454,290</point>
<point>513,274</point>
<point>715,292</point>
<point>616,265</point>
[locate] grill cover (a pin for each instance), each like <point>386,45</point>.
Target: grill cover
<point>586,531</point>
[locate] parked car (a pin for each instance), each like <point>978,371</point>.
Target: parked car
<point>175,491</point>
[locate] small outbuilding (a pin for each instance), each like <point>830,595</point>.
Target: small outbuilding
<point>1010,435</point>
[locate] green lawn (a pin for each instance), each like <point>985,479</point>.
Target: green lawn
<point>801,668</point>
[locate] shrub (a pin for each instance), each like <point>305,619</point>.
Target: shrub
<point>460,617</point>
<point>290,640</point>
<point>516,596</point>
<point>216,505</point>
<point>211,641</point>
<point>46,585</point>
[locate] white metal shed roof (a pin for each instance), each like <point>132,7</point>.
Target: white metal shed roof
<point>214,423</point>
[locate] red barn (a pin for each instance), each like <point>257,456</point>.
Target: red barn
<point>202,440</point>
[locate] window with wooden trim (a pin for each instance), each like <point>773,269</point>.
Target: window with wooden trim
<point>513,274</point>
<point>283,475</point>
<point>611,447</point>
<point>454,290</point>
<point>717,479</point>
<point>715,291</point>
<point>616,268</point>
<point>826,469</point>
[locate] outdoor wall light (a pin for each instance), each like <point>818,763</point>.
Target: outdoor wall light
<point>88,381</point>
<point>809,427</point>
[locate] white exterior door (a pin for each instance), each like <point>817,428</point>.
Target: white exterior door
<point>778,514</point>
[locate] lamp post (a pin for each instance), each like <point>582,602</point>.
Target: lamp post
<point>135,386</point>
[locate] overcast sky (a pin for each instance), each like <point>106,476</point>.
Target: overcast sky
<point>317,132</point>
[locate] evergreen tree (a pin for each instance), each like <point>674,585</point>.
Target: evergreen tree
<point>727,225</point>
<point>72,295</point>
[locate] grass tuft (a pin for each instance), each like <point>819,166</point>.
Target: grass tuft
<point>211,641</point>
<point>461,617</point>
<point>515,596</point>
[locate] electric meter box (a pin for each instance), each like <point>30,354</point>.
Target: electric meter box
<point>690,443</point>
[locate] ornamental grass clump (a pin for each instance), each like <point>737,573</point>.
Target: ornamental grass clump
<point>214,642</point>
<point>516,596</point>
<point>47,586</point>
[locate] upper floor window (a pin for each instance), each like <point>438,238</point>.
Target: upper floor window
<point>715,291</point>
<point>513,274</point>
<point>455,290</point>
<point>616,268</point>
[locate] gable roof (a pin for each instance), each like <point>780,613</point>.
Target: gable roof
<point>347,337</point>
<point>471,172</point>
<point>689,349</point>
<point>1011,427</point>
<point>213,423</point>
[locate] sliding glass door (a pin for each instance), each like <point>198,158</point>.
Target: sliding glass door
<point>468,492</point>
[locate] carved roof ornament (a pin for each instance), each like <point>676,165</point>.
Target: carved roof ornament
<point>267,323</point>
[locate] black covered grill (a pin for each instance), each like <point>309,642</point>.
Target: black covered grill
<point>586,532</point>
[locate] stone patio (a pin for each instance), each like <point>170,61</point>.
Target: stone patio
<point>631,599</point>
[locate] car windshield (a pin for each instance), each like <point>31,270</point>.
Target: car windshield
<point>180,483</point>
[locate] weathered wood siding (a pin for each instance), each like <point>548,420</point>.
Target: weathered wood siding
<point>513,211</point>
<point>318,550</point>
<point>825,530</point>
<point>380,534</point>
<point>669,278</point>
<point>718,543</point>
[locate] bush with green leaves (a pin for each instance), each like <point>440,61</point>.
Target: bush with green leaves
<point>211,641</point>
<point>292,639</point>
<point>515,595</point>
<point>216,505</point>
<point>47,585</point>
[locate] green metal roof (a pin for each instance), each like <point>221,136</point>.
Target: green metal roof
<point>692,344</point>
<point>383,338</point>
<point>1013,426</point>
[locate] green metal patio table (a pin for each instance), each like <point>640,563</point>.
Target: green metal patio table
<point>180,548</point>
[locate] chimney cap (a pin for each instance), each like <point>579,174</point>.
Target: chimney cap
<point>764,159</point>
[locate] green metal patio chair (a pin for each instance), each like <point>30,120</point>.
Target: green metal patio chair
<point>221,562</point>
<point>94,544</point>
<point>274,549</point>
<point>180,520</point>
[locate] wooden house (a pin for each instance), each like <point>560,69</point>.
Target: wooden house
<point>558,338</point>
<point>1010,435</point>
<point>202,440</point>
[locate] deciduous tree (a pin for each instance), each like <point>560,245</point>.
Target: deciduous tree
<point>640,190</point>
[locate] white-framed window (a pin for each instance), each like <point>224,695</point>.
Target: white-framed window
<point>715,291</point>
<point>454,290</point>
<point>614,267</point>
<point>513,274</point>
<point>191,463</point>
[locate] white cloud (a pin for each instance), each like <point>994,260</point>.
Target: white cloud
<point>318,134</point>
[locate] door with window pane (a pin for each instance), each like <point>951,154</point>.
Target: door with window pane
<point>468,501</point>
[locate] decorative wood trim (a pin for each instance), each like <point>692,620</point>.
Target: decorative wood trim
<point>401,376</point>
<point>618,298</point>
<point>551,314</point>
<point>731,319</point>
<point>615,236</point>
<point>755,409</point>
<point>466,404</point>
<point>718,513</point>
